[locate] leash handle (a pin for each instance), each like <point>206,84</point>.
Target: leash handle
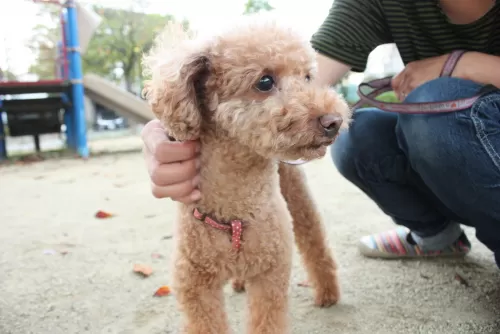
<point>383,85</point>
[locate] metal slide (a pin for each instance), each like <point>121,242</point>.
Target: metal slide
<point>117,99</point>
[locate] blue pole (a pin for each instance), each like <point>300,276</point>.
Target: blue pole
<point>76,80</point>
<point>68,112</point>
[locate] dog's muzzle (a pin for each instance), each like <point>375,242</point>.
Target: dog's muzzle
<point>331,124</point>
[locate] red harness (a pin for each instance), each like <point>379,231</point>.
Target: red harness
<point>235,227</point>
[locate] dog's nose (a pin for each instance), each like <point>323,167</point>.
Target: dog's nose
<point>330,124</point>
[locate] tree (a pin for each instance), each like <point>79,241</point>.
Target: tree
<point>43,42</point>
<point>115,49</point>
<point>117,45</point>
<point>255,6</point>
<point>6,75</point>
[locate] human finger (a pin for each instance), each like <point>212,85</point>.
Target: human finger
<point>180,192</point>
<point>191,198</point>
<point>169,152</point>
<point>157,144</point>
<point>174,172</point>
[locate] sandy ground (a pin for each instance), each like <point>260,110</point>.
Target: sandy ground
<point>47,208</point>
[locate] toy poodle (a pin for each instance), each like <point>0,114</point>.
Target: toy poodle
<point>248,94</point>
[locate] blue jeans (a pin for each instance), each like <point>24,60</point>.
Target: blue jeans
<point>430,173</point>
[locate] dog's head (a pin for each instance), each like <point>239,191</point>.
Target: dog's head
<point>253,84</point>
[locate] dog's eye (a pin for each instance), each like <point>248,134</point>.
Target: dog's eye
<point>265,84</point>
<point>308,78</point>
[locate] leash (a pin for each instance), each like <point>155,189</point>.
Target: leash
<point>383,85</point>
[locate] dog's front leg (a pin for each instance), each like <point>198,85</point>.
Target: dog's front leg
<point>200,297</point>
<point>268,301</point>
<point>310,236</point>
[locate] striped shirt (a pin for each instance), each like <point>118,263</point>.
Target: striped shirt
<point>419,28</point>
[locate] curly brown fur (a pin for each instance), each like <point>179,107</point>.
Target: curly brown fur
<point>309,237</point>
<point>207,88</point>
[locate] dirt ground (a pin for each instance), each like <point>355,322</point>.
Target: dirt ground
<point>64,271</point>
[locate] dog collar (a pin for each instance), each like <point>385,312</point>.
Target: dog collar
<point>295,162</point>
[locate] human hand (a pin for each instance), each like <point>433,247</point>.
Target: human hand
<point>172,166</point>
<point>417,73</point>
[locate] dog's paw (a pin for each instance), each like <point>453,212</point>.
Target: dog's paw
<point>327,295</point>
<point>238,285</point>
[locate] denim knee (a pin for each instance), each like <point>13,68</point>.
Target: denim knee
<point>357,152</point>
<point>343,156</point>
<point>423,136</point>
<point>442,89</point>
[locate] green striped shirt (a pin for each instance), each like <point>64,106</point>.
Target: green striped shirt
<point>353,28</point>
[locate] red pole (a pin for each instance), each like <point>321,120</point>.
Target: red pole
<point>64,49</point>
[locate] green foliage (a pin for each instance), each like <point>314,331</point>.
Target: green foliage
<point>388,97</point>
<point>43,42</point>
<point>255,6</point>
<point>6,75</point>
<point>119,43</point>
<point>115,50</point>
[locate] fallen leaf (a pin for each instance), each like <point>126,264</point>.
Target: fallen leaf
<point>304,284</point>
<point>461,280</point>
<point>103,214</point>
<point>156,256</point>
<point>166,237</point>
<point>162,291</point>
<point>143,270</point>
<point>64,252</point>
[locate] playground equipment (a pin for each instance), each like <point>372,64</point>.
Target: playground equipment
<point>42,115</point>
<point>64,103</point>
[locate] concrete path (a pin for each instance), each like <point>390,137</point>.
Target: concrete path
<point>47,210</point>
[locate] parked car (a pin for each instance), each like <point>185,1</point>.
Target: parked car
<point>106,119</point>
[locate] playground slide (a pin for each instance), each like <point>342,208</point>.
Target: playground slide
<point>117,99</point>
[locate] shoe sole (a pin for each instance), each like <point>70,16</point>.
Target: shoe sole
<point>374,253</point>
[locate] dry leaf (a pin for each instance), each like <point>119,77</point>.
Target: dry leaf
<point>103,214</point>
<point>304,284</point>
<point>461,280</point>
<point>156,256</point>
<point>162,291</point>
<point>143,270</point>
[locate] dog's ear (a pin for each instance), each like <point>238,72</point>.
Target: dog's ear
<point>174,90</point>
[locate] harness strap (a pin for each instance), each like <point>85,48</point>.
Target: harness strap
<point>235,227</point>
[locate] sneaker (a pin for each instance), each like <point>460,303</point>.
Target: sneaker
<point>398,243</point>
